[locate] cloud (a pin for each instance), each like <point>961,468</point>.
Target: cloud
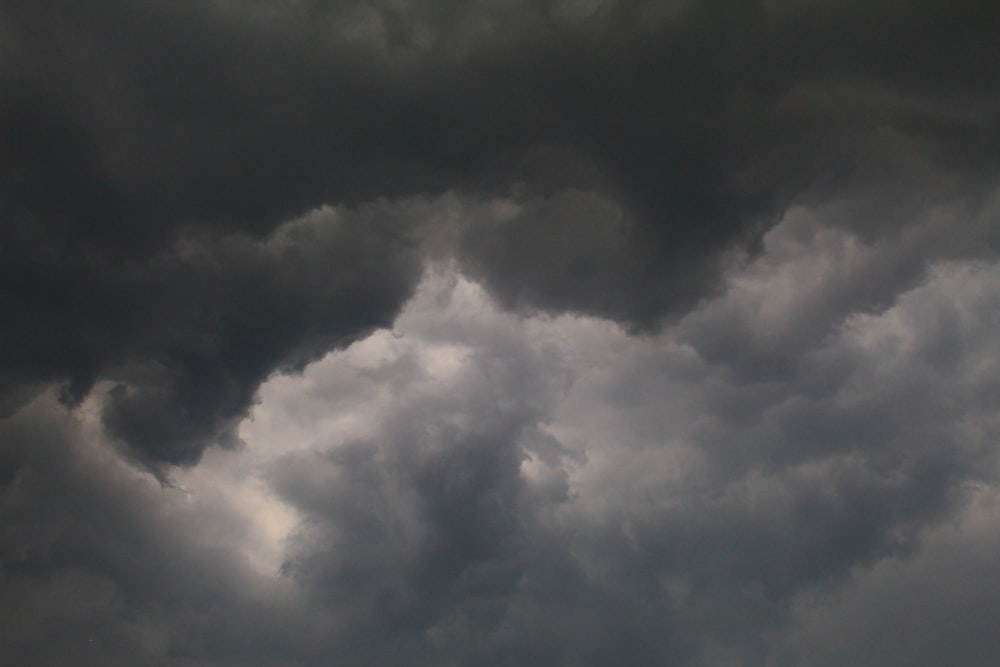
<point>104,566</point>
<point>476,485</point>
<point>569,332</point>
<point>188,333</point>
<point>918,612</point>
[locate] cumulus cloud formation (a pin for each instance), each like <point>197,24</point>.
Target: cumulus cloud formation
<point>188,333</point>
<point>578,332</point>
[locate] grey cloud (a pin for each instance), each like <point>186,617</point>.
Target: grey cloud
<point>641,146</point>
<point>784,210</point>
<point>798,489</point>
<point>698,528</point>
<point>935,607</point>
<point>479,486</point>
<point>103,566</point>
<point>190,332</point>
<point>818,272</point>
<point>704,124</point>
<point>580,252</point>
<point>424,524</point>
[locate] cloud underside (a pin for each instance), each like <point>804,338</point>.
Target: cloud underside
<point>153,151</point>
<point>579,332</point>
<point>479,486</point>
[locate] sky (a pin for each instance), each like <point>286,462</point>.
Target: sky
<point>499,332</point>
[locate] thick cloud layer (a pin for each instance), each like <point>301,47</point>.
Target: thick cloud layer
<point>572,332</point>
<point>477,487</point>
<point>642,142</point>
<point>187,334</point>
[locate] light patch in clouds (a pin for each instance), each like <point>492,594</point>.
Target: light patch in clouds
<point>232,479</point>
<point>226,492</point>
<point>480,486</point>
<point>642,465</point>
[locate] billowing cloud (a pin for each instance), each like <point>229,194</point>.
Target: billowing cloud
<point>479,486</point>
<point>565,332</point>
<point>187,334</point>
<point>643,142</point>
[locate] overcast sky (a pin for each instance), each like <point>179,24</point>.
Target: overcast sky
<point>499,332</point>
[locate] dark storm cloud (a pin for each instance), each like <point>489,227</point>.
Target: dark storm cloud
<point>645,140</point>
<point>785,210</point>
<point>189,333</point>
<point>694,123</point>
<point>703,122</point>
